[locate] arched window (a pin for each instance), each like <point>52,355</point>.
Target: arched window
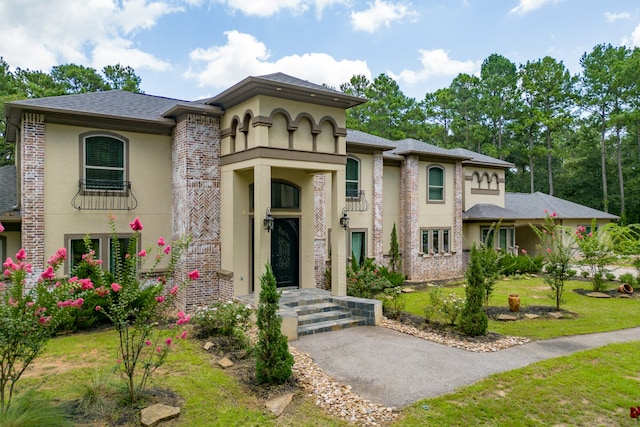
<point>435,184</point>
<point>284,195</point>
<point>353,177</point>
<point>104,162</point>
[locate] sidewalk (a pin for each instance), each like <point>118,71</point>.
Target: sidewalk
<point>395,369</point>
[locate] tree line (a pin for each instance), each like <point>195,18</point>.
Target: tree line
<point>572,136</point>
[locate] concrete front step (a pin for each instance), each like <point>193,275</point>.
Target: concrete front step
<point>318,307</point>
<point>331,325</point>
<point>322,316</point>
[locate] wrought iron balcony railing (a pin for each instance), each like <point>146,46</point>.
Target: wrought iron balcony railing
<point>356,201</point>
<point>102,194</point>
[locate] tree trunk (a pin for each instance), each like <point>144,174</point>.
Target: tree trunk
<point>549,162</point>
<point>531,177</point>
<point>620,176</point>
<point>603,159</point>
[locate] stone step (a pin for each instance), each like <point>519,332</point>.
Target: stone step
<point>302,302</point>
<point>316,308</point>
<point>330,325</point>
<point>322,316</point>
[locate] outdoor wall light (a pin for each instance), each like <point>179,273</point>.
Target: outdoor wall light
<point>344,220</point>
<point>268,221</point>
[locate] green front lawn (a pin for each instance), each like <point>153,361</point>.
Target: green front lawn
<point>588,315</point>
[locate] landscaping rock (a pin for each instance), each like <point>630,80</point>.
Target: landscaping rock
<point>598,295</point>
<point>531,316</point>
<point>556,315</point>
<point>279,404</point>
<point>225,363</point>
<point>154,414</point>
<point>208,345</point>
<point>407,290</point>
<point>507,317</point>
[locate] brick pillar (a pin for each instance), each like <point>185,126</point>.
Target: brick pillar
<point>377,208</point>
<point>32,188</point>
<point>457,218</point>
<point>319,229</point>
<point>196,207</point>
<point>409,196</point>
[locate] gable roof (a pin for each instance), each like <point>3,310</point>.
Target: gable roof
<point>283,86</point>
<point>8,192</point>
<point>358,139</point>
<point>525,206</point>
<point>481,159</point>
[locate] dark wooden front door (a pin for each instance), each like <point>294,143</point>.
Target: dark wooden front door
<point>285,245</point>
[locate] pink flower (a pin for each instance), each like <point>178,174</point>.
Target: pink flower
<point>195,274</point>
<point>48,274</point>
<point>44,320</point>
<point>168,341</point>
<point>183,335</point>
<point>161,241</point>
<point>142,253</point>
<point>183,320</point>
<point>167,249</point>
<point>86,284</point>
<point>58,257</point>
<point>174,291</point>
<point>136,225</point>
<point>102,291</point>
<point>98,308</point>
<point>524,252</point>
<point>115,287</point>
<point>78,302</point>
<point>21,255</point>
<point>548,250</point>
<point>160,298</point>
<point>553,215</point>
<point>180,314</point>
<point>158,349</point>
<point>7,272</point>
<point>148,342</point>
<point>1,228</point>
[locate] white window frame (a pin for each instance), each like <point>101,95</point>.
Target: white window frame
<point>351,181</point>
<point>103,251</point>
<point>436,187</point>
<point>88,188</point>
<point>435,239</point>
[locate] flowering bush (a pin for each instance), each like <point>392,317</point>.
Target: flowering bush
<point>445,308</point>
<point>367,280</point>
<point>597,252</point>
<point>227,319</point>
<point>134,303</point>
<point>29,316</point>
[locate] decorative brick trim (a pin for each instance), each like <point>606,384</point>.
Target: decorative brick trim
<point>319,229</point>
<point>377,207</point>
<point>196,208</point>
<point>32,188</point>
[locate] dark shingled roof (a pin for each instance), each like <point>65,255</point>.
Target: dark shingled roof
<point>413,146</point>
<point>532,206</point>
<point>482,211</point>
<point>294,81</point>
<point>362,138</point>
<point>482,159</point>
<point>8,196</point>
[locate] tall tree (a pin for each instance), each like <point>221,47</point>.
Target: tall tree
<point>438,108</point>
<point>548,91</point>
<point>466,123</point>
<point>499,94</point>
<point>118,77</point>
<point>78,79</point>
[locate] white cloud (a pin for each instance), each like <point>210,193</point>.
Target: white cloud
<point>634,41</point>
<point>244,55</point>
<point>266,8</point>
<point>436,63</point>
<point>38,35</point>
<point>381,13</point>
<point>613,17</point>
<point>527,6</point>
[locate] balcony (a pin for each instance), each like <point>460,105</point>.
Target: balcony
<point>104,195</point>
<point>356,201</point>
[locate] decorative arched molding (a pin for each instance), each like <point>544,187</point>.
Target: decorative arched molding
<point>331,121</point>
<point>291,124</point>
<point>315,128</point>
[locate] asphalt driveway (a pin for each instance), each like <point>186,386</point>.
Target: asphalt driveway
<point>396,369</point>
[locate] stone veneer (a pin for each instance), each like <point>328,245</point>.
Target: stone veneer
<point>319,230</point>
<point>377,208</point>
<point>196,208</point>
<point>32,188</point>
<point>409,225</point>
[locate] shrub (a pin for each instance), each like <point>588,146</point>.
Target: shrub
<point>28,410</point>
<point>393,302</point>
<point>473,320</point>
<point>520,264</point>
<point>273,361</point>
<point>395,262</point>
<point>629,279</point>
<point>435,304</point>
<point>370,279</point>
<point>451,308</point>
<point>226,319</point>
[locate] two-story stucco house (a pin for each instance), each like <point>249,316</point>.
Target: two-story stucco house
<point>265,172</point>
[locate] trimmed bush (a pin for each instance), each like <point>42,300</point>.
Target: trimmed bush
<point>473,320</point>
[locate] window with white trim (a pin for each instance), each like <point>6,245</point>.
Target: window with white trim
<point>435,240</point>
<point>435,184</point>
<point>104,162</point>
<point>357,245</point>
<point>506,237</point>
<point>352,177</point>
<point>104,247</point>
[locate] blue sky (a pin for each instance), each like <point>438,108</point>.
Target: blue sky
<point>190,49</point>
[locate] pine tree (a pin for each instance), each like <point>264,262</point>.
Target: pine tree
<point>273,360</point>
<point>473,319</point>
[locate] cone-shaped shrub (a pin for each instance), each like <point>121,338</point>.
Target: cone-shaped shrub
<point>473,320</point>
<point>273,360</point>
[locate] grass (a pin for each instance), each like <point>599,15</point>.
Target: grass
<point>589,314</point>
<point>595,387</point>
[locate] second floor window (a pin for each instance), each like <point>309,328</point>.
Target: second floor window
<point>104,163</point>
<point>352,177</point>
<point>435,183</point>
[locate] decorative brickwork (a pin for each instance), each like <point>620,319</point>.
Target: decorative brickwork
<point>196,207</point>
<point>319,230</point>
<point>377,208</point>
<point>32,188</point>
<point>409,184</point>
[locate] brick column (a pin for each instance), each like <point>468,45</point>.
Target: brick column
<point>377,208</point>
<point>457,218</point>
<point>409,197</point>
<point>319,229</point>
<point>196,206</point>
<point>32,188</point>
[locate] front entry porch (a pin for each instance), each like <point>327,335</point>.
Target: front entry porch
<point>312,310</point>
